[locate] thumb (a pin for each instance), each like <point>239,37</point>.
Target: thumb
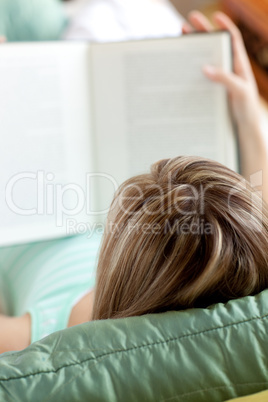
<point>233,83</point>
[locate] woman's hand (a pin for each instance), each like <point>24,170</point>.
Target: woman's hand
<point>240,84</point>
<point>244,99</point>
<point>2,39</point>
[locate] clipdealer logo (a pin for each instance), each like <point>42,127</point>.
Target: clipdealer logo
<point>52,198</point>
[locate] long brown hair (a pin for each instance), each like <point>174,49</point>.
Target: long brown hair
<point>188,234</point>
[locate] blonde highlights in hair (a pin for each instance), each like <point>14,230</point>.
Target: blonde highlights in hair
<point>188,234</point>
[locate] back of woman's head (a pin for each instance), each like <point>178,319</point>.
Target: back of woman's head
<point>188,234</point>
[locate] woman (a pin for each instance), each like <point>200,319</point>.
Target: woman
<point>193,235</point>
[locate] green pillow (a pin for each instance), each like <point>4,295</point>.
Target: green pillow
<point>198,355</point>
<point>31,20</point>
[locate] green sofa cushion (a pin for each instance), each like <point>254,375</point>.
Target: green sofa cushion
<point>30,20</point>
<point>195,355</point>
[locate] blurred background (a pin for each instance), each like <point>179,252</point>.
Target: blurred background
<point>183,6</point>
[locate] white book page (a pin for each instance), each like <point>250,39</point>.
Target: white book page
<point>152,101</point>
<point>45,130</point>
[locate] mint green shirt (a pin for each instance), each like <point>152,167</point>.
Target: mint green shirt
<point>46,279</point>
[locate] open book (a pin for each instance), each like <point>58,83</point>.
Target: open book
<point>77,119</point>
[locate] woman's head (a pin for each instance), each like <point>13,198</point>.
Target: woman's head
<point>188,234</point>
